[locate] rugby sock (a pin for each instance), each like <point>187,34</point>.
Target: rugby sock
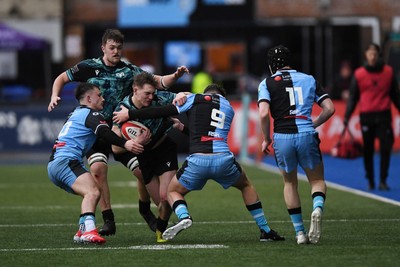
<point>144,207</point>
<point>161,225</point>
<point>82,223</point>
<point>258,214</point>
<point>90,221</point>
<point>108,215</point>
<point>297,219</point>
<point>180,208</point>
<point>318,200</point>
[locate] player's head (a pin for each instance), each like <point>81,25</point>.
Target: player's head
<point>144,87</point>
<point>114,35</point>
<point>215,89</point>
<point>111,45</point>
<point>278,57</point>
<point>89,95</point>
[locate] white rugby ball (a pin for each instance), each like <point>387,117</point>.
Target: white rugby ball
<point>130,130</point>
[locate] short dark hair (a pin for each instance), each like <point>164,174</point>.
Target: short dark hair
<point>144,78</point>
<point>373,46</point>
<point>112,34</point>
<point>82,89</point>
<point>215,88</point>
<point>278,57</point>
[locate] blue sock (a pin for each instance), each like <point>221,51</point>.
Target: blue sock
<point>297,219</point>
<point>89,221</point>
<point>180,209</point>
<point>318,200</point>
<point>82,223</point>
<point>258,214</point>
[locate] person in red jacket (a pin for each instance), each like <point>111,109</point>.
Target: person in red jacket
<point>375,88</point>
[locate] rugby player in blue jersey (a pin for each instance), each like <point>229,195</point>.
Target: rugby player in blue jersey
<point>66,168</point>
<point>288,97</point>
<point>114,77</point>
<point>209,117</point>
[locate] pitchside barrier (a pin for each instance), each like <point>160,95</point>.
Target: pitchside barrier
<point>34,129</point>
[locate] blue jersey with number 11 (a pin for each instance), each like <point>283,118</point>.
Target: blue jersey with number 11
<point>291,95</point>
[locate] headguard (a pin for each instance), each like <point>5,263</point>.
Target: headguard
<point>278,57</point>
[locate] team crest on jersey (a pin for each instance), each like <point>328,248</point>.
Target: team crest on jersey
<point>97,72</point>
<point>120,74</point>
<point>95,113</point>
<point>278,78</point>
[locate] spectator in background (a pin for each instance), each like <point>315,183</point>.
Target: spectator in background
<point>374,87</point>
<point>288,97</point>
<point>341,83</point>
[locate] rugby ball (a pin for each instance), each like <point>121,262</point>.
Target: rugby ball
<point>130,130</point>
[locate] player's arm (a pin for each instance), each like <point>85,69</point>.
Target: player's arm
<point>145,113</point>
<point>107,134</point>
<point>264,113</point>
<point>58,84</point>
<point>327,111</point>
<point>166,81</point>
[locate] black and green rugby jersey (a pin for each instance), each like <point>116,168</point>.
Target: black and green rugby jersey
<point>114,82</point>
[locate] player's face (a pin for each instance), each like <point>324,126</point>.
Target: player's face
<point>95,99</point>
<point>112,52</point>
<point>144,95</point>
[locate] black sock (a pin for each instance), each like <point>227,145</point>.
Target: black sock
<point>108,215</point>
<point>144,207</point>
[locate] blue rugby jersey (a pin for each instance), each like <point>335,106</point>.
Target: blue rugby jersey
<point>114,82</point>
<point>78,134</point>
<point>291,95</point>
<point>210,118</point>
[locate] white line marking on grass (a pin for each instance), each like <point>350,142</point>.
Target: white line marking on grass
<point>143,247</point>
<point>302,177</point>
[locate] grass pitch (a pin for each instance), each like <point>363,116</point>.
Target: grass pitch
<point>38,221</point>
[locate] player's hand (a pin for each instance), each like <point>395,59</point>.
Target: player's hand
<point>179,99</point>
<point>144,137</point>
<point>53,103</point>
<point>134,147</point>
<point>180,71</point>
<point>265,146</point>
<point>121,116</point>
<point>177,124</point>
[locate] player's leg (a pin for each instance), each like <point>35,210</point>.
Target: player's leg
<point>176,193</point>
<point>311,161</point>
<point>254,206</point>
<point>145,201</point>
<point>85,186</point>
<point>164,207</point>
<point>287,161</point>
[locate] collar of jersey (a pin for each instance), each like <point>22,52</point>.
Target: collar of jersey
<point>279,72</point>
